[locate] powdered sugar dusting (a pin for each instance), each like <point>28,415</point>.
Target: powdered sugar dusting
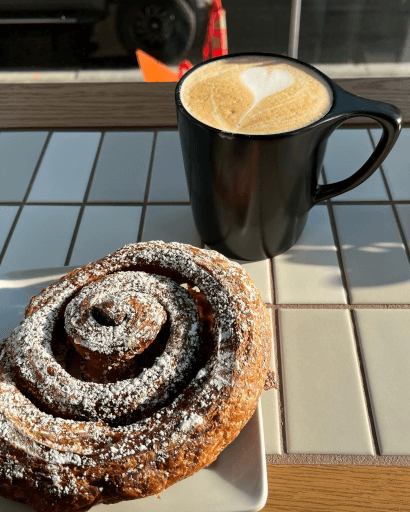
<point>190,423</point>
<point>145,423</point>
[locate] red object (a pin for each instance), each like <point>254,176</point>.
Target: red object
<point>183,67</point>
<point>216,44</point>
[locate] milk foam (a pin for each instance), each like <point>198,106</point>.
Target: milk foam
<point>256,94</point>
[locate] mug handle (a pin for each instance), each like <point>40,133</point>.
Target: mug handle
<point>389,118</point>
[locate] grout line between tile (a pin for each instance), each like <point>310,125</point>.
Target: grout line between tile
<point>279,381</point>
<point>22,203</point>
<point>83,204</point>
<point>360,203</point>
<point>149,176</point>
<point>93,203</point>
<point>338,251</point>
<point>169,203</point>
<point>272,280</point>
<point>33,177</point>
<point>365,385</point>
<point>13,227</point>
<point>336,240</point>
<point>278,359</point>
<point>393,205</point>
<point>371,137</point>
<point>85,129</point>
<point>359,355</point>
<point>401,231</point>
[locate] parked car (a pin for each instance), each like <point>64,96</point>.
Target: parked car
<point>166,29</point>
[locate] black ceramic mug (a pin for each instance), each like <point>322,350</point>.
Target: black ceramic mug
<point>251,194</point>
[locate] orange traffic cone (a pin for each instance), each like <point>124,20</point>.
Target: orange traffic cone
<point>216,44</point>
<point>153,70</point>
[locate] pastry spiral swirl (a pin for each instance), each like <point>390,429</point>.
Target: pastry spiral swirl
<point>128,375</point>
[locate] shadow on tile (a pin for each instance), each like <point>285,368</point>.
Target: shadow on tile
<point>373,253</point>
<point>375,261</point>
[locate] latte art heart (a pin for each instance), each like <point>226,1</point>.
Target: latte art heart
<point>263,83</point>
<point>255,95</point>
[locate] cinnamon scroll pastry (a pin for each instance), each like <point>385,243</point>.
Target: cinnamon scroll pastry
<point>128,375</point>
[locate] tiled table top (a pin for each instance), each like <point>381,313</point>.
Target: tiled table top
<point>339,299</point>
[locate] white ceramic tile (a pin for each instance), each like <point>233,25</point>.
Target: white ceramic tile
<point>376,266</point>
<point>325,410</point>
<point>397,165</point>
<point>41,238</point>
<point>404,214</point>
<point>347,151</point>
<point>122,167</point>
<point>168,182</point>
<point>19,154</point>
<point>384,338</point>
<point>376,133</point>
<point>309,273</point>
<point>170,224</point>
<point>66,167</point>
<point>321,181</point>
<point>7,215</point>
<point>259,272</point>
<point>270,410</point>
<point>103,230</point>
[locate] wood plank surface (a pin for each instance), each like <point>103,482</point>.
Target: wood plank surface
<point>136,105</point>
<point>337,489</point>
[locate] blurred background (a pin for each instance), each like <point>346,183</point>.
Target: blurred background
<point>95,40</point>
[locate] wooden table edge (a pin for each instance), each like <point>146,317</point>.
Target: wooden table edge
<point>311,488</point>
<point>138,105</point>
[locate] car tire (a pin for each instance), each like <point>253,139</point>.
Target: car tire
<point>164,29</point>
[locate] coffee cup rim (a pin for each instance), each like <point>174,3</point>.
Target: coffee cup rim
<point>226,134</point>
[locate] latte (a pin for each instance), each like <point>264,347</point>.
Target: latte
<point>256,95</point>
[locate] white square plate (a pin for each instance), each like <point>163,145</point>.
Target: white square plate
<point>235,482</point>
